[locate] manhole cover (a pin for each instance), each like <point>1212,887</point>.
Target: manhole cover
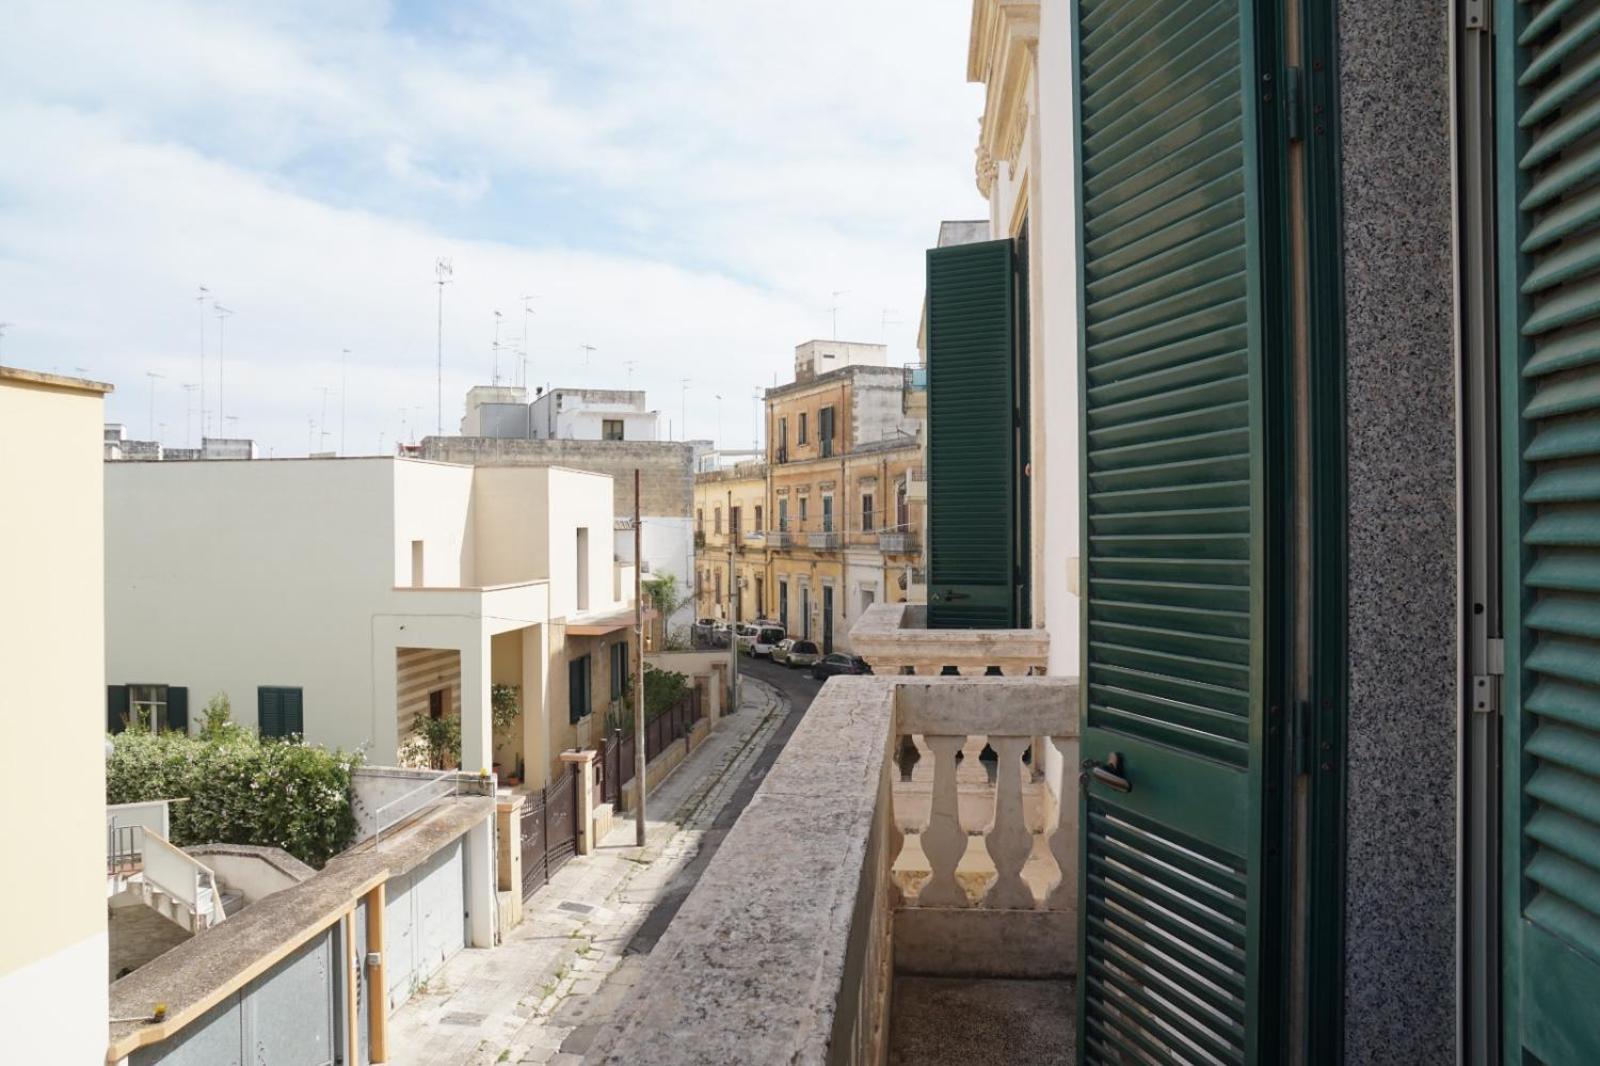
<point>578,908</point>
<point>462,1018</point>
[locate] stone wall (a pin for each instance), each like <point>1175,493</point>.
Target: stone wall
<point>667,467</point>
<point>1400,932</point>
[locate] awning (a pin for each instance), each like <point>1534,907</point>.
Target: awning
<point>599,627</point>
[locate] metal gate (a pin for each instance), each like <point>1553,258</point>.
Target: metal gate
<point>549,831</point>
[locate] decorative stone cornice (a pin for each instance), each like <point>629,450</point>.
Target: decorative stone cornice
<point>1002,53</point>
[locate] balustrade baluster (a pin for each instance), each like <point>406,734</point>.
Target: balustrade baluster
<point>1062,894</point>
<point>1008,840</point>
<point>944,842</point>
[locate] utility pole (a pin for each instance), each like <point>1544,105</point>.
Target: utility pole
<point>443,271</point>
<point>222,318</point>
<point>733,618</point>
<point>638,677</point>
<point>344,377</point>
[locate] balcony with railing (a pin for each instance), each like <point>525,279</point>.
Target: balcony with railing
<point>825,538</point>
<point>874,906</point>
<point>898,542</point>
<point>895,638</point>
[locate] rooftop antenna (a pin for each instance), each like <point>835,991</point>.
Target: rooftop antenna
<point>443,272</point>
<point>526,343</point>
<point>344,355</point>
<point>201,297</point>
<point>755,420</point>
<point>494,377</point>
<point>890,317</point>
<point>630,364</point>
<point>154,377</point>
<point>311,426</point>
<point>222,317</point>
<point>322,434</point>
<point>684,428</point>
<point>3,326</point>
<point>588,350</point>
<point>836,294</point>
<point>718,442</point>
<point>188,415</point>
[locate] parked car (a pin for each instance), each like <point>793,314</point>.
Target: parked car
<point>746,636</point>
<point>768,636</point>
<point>793,653</point>
<point>839,663</point>
<point>709,633</point>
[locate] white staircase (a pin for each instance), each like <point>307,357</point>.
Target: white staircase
<point>164,877</point>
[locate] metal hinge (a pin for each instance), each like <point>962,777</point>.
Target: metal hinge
<point>1292,95</point>
<point>1485,694</point>
<point>1475,15</point>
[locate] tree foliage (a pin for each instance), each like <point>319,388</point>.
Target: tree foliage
<point>240,789</point>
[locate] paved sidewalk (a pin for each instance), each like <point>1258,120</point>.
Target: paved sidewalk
<point>521,1002</point>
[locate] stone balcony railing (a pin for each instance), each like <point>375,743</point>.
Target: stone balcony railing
<point>824,893</point>
<point>824,539</point>
<point>897,542</point>
<point>895,639</point>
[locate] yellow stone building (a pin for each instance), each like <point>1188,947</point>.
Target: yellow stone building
<point>831,522</point>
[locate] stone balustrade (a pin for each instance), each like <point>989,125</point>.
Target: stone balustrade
<point>788,946</point>
<point>895,639</point>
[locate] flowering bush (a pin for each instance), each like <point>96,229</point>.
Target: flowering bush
<point>240,789</point>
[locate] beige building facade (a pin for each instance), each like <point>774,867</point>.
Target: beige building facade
<point>831,522</point>
<point>344,599</point>
<point>53,942</point>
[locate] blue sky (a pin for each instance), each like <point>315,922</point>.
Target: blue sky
<point>682,183</point>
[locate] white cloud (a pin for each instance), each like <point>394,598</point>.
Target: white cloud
<point>683,184</point>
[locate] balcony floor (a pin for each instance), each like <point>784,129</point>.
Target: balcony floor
<point>958,1020</point>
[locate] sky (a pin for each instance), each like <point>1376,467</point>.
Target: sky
<point>681,184</point>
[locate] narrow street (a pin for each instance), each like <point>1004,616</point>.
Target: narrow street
<point>548,991</point>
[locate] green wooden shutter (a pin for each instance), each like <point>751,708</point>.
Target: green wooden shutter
<point>177,709</point>
<point>1549,174</point>
<point>269,712</point>
<point>119,706</point>
<point>1172,334</point>
<point>294,717</point>
<point>578,691</point>
<point>972,487</point>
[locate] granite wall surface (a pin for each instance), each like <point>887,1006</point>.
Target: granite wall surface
<point>1400,908</point>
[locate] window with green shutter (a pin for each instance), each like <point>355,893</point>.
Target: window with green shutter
<point>580,693</point>
<point>976,421</point>
<point>280,711</point>
<point>1548,100</point>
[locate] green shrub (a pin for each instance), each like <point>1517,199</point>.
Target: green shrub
<point>240,789</point>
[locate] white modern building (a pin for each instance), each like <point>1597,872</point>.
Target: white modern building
<point>53,945</point>
<point>341,599</point>
<point>504,412</point>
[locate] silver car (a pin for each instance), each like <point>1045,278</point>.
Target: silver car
<point>796,653</point>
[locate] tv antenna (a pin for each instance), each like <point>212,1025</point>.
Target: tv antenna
<point>443,272</point>
<point>223,314</point>
<point>588,350</point>
<point>201,297</point>
<point>836,294</point>
<point>188,415</point>
<point>526,336</point>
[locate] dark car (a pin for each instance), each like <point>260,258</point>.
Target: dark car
<point>839,663</point>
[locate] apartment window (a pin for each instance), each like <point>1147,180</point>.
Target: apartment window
<point>619,669</point>
<point>149,707</point>
<point>436,703</point>
<point>758,527</point>
<point>716,520</point>
<point>611,429</point>
<point>417,571</point>
<point>783,516</point>
<point>280,712</point>
<point>582,569</point>
<point>716,578</point>
<point>800,435</point>
<point>827,514</point>
<point>867,518</point>
<point>580,696</point>
<point>803,500</point>
<point>699,583</point>
<point>825,431</point>
<point>783,439</point>
<point>733,520</point>
<point>902,513</point>
<point>700,520</point>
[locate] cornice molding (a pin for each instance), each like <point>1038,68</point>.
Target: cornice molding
<point>1002,53</point>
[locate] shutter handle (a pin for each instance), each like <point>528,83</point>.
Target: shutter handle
<point>950,596</point>
<point>1108,773</point>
